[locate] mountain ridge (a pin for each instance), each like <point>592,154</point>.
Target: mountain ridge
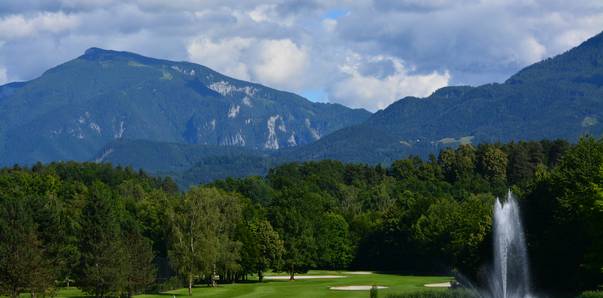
<point>74,109</point>
<point>558,97</point>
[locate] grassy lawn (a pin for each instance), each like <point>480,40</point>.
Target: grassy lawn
<point>300,288</point>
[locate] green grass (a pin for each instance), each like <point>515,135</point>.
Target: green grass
<point>70,292</point>
<point>591,294</point>
<point>299,288</point>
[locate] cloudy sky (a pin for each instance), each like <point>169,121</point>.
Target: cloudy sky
<point>361,53</point>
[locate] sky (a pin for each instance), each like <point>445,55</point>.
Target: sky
<point>361,53</point>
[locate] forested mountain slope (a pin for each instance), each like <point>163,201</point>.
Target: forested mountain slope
<point>76,108</point>
<point>560,97</point>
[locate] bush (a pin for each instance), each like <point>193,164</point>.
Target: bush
<point>374,292</point>
<point>591,294</point>
<point>435,294</point>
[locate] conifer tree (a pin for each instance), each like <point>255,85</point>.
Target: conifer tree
<point>103,263</point>
<point>24,266</point>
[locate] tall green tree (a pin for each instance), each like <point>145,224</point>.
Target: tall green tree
<point>266,245</point>
<point>492,163</point>
<point>519,168</point>
<point>103,264</point>
<point>333,241</point>
<point>293,215</point>
<point>594,256</point>
<point>578,215</point>
<point>24,266</point>
<point>458,164</point>
<point>564,218</point>
<point>455,231</point>
<point>58,219</point>
<point>141,271</point>
<point>203,227</point>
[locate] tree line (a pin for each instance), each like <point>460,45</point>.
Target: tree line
<point>112,231</point>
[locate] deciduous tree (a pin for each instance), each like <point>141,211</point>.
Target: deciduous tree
<point>203,228</point>
<point>267,245</point>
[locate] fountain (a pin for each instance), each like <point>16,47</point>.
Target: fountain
<point>510,275</point>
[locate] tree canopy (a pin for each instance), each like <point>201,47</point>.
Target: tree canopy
<point>113,231</point>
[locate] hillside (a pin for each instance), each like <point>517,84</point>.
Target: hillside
<point>74,110</point>
<point>198,125</point>
<point>560,97</point>
<point>188,163</point>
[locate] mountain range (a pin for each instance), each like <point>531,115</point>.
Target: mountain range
<point>73,110</point>
<point>190,122</point>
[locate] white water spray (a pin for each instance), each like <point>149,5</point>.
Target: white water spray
<point>510,277</point>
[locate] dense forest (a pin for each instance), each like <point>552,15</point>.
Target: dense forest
<point>113,231</point>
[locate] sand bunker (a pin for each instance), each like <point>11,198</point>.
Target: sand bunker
<point>439,285</point>
<point>358,272</point>
<point>279,277</point>
<point>355,288</point>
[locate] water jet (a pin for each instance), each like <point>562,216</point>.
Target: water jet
<point>510,276</point>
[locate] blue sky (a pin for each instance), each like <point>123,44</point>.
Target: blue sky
<point>360,53</point>
<point>334,13</point>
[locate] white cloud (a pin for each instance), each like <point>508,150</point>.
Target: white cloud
<point>17,26</point>
<point>277,63</point>
<point>400,47</point>
<point>260,13</point>
<point>281,62</point>
<point>373,93</point>
<point>477,41</point>
<point>225,56</point>
<point>531,50</point>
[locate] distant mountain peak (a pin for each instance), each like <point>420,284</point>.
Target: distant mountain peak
<point>93,50</point>
<point>95,53</point>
